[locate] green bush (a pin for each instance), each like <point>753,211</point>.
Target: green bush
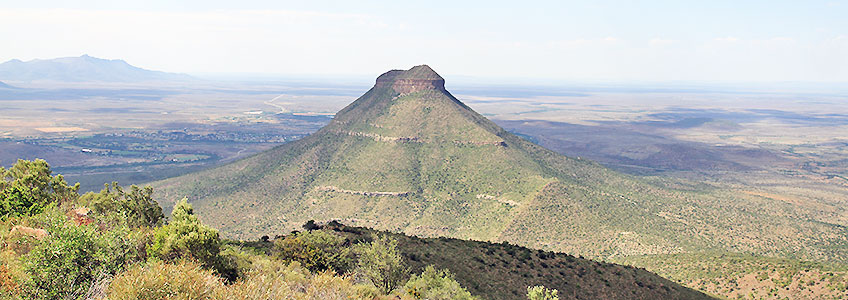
<point>380,261</point>
<point>136,208</point>
<point>186,237</point>
<point>435,284</point>
<point>317,250</point>
<point>542,293</point>
<point>28,187</point>
<point>72,257</point>
<point>233,262</point>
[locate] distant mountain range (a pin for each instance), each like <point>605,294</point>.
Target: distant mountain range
<point>3,85</point>
<point>82,69</point>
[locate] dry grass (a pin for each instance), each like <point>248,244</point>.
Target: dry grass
<point>161,281</point>
<point>268,279</point>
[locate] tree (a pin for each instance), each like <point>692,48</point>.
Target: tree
<point>28,187</point>
<point>380,261</point>
<point>435,284</point>
<point>540,292</point>
<point>135,209</point>
<point>186,237</point>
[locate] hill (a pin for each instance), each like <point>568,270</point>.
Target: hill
<point>504,271</point>
<point>3,85</point>
<point>409,157</point>
<point>81,69</point>
<point>116,244</point>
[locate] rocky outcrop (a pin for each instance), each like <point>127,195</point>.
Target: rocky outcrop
<point>80,216</point>
<point>481,143</point>
<point>418,78</point>
<point>331,188</point>
<point>415,139</point>
<point>501,200</point>
<point>36,233</point>
<point>381,138</point>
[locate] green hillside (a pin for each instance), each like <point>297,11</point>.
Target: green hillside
<point>409,157</point>
<point>118,245</point>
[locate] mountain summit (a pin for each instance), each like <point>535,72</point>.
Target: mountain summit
<point>81,69</point>
<point>408,156</point>
<point>418,78</point>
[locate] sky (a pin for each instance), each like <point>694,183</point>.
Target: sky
<point>728,41</point>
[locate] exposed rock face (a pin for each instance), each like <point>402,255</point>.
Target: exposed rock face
<point>364,193</point>
<point>80,216</point>
<point>36,233</point>
<point>416,79</point>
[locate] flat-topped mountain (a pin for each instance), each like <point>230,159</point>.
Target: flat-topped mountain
<point>409,157</point>
<point>418,78</point>
<point>82,69</point>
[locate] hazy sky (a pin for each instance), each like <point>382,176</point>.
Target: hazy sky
<point>562,40</point>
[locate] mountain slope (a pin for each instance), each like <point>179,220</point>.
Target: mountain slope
<point>407,156</point>
<point>3,85</point>
<point>80,69</point>
<point>504,271</point>
<point>735,275</point>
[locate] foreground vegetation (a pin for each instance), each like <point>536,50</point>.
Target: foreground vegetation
<point>117,244</point>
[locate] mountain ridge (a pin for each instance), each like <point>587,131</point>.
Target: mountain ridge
<point>82,69</point>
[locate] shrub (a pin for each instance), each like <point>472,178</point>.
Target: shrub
<point>72,257</point>
<point>28,187</point>
<point>233,262</point>
<point>540,292</point>
<point>316,250</point>
<point>163,281</point>
<point>135,209</point>
<point>380,261</point>
<point>436,285</point>
<point>186,237</point>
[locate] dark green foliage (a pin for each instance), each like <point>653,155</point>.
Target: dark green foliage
<point>310,225</point>
<point>135,209</point>
<point>28,187</point>
<point>316,250</point>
